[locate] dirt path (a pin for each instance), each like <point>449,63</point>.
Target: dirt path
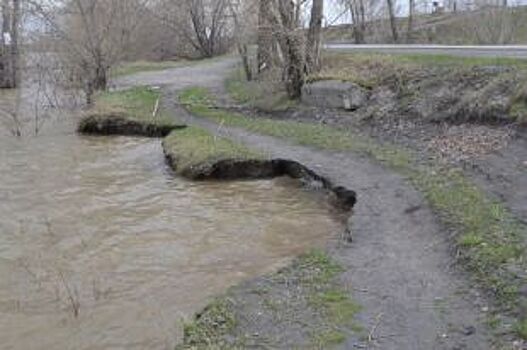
<point>399,266</point>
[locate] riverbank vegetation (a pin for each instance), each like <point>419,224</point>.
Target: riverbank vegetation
<point>488,238</point>
<point>195,153</point>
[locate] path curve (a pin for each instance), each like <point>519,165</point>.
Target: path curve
<point>399,266</point>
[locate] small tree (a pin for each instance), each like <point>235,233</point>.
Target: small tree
<point>90,36</point>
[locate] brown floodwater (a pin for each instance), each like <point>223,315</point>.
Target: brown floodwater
<point>101,247</point>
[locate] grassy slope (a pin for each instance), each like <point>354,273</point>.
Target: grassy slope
<point>416,78</point>
<point>371,68</point>
<point>489,239</point>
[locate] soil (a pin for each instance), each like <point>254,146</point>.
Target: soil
<point>399,267</point>
<point>120,125</point>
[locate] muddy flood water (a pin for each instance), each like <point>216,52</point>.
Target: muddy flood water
<point>101,247</point>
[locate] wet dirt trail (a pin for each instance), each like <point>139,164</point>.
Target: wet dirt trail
<point>399,266</point>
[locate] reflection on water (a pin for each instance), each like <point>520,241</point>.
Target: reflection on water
<point>101,247</point>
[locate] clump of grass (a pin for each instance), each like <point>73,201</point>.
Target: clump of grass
<point>521,328</point>
<point>489,239</point>
<point>194,147</point>
<point>518,105</point>
<point>327,297</point>
<point>206,331</point>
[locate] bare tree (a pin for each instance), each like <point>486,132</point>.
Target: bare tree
<point>299,53</point>
<point>357,11</point>
<point>265,35</point>
<point>205,25</point>
<point>244,20</point>
<point>91,36</point>
<point>411,9</point>
<point>9,43</point>
<point>393,21</point>
<point>314,36</point>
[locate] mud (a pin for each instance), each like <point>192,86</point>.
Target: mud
<point>120,125</point>
<point>233,169</point>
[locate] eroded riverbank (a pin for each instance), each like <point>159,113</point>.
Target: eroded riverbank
<point>102,246</point>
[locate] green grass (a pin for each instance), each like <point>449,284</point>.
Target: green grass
<point>205,332</point>
<point>194,147</point>
<point>521,329</point>
<point>264,95</point>
<point>327,297</point>
<point>136,104</point>
<point>128,68</point>
<point>489,239</point>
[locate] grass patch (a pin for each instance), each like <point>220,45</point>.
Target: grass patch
<point>128,68</point>
<point>206,330</point>
<point>265,95</point>
<point>135,104</point>
<point>521,329</point>
<point>489,240</point>
<point>329,338</point>
<point>328,298</point>
<point>193,148</point>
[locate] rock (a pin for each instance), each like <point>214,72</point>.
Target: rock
<point>334,94</point>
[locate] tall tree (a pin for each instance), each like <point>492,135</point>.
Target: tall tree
<point>314,37</point>
<point>265,36</point>
<point>410,29</point>
<point>358,17</point>
<point>93,36</point>
<point>393,21</point>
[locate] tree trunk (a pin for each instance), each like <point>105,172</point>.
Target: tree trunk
<point>244,54</point>
<point>411,8</point>
<point>393,23</point>
<point>293,47</point>
<point>295,67</point>
<point>314,37</point>
<point>9,43</point>
<point>265,36</point>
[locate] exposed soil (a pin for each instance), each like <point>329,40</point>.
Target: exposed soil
<point>119,125</point>
<point>398,268</point>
